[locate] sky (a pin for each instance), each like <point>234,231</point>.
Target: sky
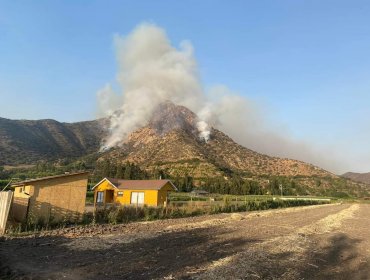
<point>306,63</point>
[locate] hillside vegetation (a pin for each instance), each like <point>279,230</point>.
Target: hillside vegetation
<point>168,147</point>
<point>171,142</point>
<point>23,141</point>
<point>358,177</point>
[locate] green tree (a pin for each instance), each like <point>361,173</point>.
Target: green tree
<point>120,173</point>
<point>127,174</point>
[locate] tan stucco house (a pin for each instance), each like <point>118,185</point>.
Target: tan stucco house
<point>50,199</point>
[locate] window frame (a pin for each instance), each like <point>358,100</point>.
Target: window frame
<point>137,194</point>
<point>99,197</point>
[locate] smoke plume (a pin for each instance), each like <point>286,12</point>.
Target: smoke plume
<point>152,71</point>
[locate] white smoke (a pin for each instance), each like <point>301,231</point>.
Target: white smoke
<point>109,101</point>
<point>205,115</point>
<point>152,71</point>
<point>251,125</point>
<point>204,130</point>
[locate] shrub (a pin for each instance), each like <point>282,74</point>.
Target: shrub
<point>126,214</point>
<point>87,218</point>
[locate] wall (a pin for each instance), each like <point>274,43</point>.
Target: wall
<point>162,194</point>
<point>103,187</point>
<point>58,199</point>
<point>22,192</point>
<point>150,196</point>
<point>18,211</point>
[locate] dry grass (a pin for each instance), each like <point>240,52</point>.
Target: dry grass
<point>268,213</point>
<point>295,246</point>
<point>228,218</point>
<point>20,166</point>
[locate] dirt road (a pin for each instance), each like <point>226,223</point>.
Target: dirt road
<point>316,242</point>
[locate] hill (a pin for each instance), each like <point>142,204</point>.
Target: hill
<point>358,177</point>
<point>171,141</point>
<point>168,145</point>
<point>24,141</point>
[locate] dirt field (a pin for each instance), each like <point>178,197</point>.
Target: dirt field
<point>316,242</point>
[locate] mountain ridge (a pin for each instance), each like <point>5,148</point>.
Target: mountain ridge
<point>26,141</point>
<point>172,137</point>
<point>358,177</point>
<point>170,145</point>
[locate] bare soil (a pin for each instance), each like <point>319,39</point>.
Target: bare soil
<point>315,242</point>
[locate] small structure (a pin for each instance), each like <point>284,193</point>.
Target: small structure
<point>50,199</point>
<point>132,192</point>
<point>199,193</point>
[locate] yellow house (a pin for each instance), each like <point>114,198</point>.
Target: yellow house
<point>132,192</point>
<point>51,199</point>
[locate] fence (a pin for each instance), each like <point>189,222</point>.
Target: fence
<point>5,203</point>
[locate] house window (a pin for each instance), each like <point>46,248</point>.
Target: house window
<point>100,197</point>
<point>137,198</point>
<point>120,194</point>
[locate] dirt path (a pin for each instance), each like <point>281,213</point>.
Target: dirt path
<point>316,242</point>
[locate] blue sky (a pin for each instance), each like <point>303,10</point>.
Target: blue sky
<point>308,62</point>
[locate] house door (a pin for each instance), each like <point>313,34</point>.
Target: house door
<point>137,198</point>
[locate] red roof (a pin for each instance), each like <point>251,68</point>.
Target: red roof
<point>139,184</point>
